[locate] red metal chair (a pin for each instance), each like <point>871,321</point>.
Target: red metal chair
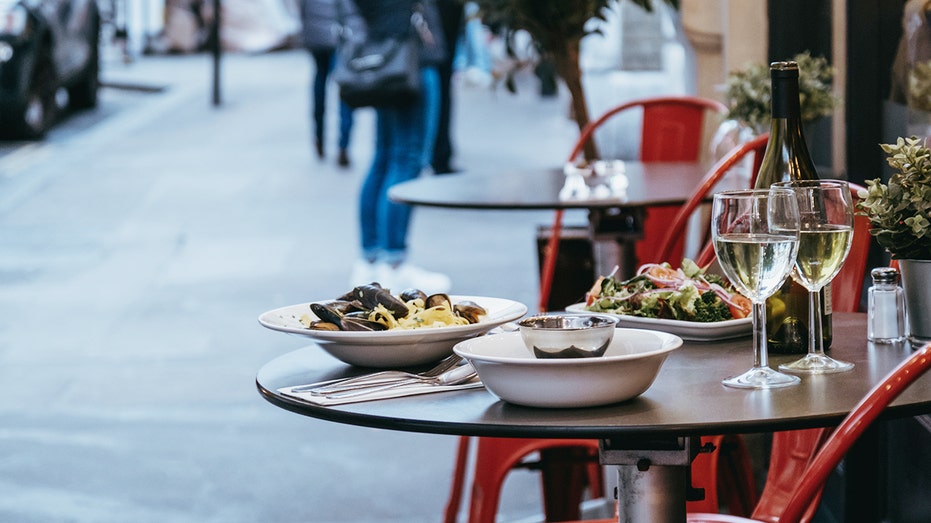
<point>671,131</point>
<point>808,485</point>
<point>563,483</point>
<point>674,240</point>
<point>847,286</point>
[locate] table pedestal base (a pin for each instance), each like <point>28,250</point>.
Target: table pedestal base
<point>653,477</point>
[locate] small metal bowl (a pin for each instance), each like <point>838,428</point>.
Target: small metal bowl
<point>568,335</point>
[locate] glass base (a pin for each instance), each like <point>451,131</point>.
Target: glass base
<point>761,378</point>
<point>816,364</point>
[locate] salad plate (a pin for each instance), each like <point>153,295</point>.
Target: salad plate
<point>687,330</point>
<point>395,347</point>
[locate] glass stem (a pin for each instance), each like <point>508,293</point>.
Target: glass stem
<point>760,353</point>
<point>815,342</point>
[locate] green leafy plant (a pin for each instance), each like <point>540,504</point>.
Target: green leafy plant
<point>748,91</point>
<point>899,211</point>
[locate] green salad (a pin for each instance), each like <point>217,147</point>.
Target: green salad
<point>659,291</point>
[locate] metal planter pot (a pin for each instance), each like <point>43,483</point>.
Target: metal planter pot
<point>916,281</point>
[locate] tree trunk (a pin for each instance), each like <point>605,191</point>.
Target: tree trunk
<point>566,61</point>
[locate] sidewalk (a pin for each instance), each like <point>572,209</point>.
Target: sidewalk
<point>135,258</point>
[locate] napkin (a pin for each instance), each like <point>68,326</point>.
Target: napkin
<point>412,389</point>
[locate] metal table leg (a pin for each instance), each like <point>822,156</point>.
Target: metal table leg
<point>653,477</point>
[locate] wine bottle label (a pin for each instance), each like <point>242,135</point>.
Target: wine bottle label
<point>826,306</point>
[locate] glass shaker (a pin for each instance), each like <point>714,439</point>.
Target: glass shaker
<point>886,307</point>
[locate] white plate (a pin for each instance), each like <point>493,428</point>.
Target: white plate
<point>511,372</point>
<point>687,330</point>
<point>394,348</point>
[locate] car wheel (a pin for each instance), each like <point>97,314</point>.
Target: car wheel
<point>83,93</point>
<point>36,113</point>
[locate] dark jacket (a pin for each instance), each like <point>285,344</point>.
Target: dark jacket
<point>321,28</point>
<point>392,18</point>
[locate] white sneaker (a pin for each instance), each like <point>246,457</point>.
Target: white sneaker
<point>406,276</point>
<point>363,272</point>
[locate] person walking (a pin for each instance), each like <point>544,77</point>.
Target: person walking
<point>402,133</point>
<point>451,15</point>
<point>320,36</point>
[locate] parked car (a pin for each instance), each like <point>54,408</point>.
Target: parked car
<point>46,47</point>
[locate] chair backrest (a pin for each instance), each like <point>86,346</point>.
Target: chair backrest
<point>847,286</point>
<point>670,250</point>
<point>839,442</point>
<point>670,130</point>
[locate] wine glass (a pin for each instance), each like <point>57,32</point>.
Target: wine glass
<point>755,236</point>
<point>825,233</point>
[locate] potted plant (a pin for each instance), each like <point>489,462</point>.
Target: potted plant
<point>900,220</point>
<point>747,92</point>
<point>557,28</point>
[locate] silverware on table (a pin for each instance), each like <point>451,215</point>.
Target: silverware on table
<point>455,376</point>
<point>380,378</point>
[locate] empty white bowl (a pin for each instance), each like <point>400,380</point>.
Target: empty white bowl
<point>627,369</point>
<point>568,335</point>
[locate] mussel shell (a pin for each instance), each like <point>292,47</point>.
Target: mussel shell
<point>356,292</point>
<point>469,310</point>
<point>412,294</point>
<point>360,324</point>
<point>331,311</point>
<point>436,300</point>
<point>324,326</point>
<point>371,296</point>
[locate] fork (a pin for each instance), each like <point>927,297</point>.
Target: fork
<point>384,377</point>
<point>455,376</point>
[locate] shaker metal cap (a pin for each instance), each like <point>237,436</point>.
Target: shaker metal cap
<point>885,275</point>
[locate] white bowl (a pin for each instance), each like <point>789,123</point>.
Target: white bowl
<point>393,348</point>
<point>513,374</point>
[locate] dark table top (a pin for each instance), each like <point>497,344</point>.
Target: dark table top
<point>686,399</point>
<point>650,183</point>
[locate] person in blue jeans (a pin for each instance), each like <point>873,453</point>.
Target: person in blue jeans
<point>320,35</point>
<point>404,137</point>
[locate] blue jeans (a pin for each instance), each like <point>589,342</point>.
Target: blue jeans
<point>400,146</point>
<point>324,61</point>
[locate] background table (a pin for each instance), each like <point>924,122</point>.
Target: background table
<point>613,222</point>
<point>649,183</point>
<point>686,400</point>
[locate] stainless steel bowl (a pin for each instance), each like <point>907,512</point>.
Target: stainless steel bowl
<point>568,335</point>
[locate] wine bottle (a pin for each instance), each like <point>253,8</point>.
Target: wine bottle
<point>787,158</point>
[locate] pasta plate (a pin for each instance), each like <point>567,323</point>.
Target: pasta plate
<point>395,347</point>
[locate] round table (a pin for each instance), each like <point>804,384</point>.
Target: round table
<point>687,400</point>
<point>648,183</point>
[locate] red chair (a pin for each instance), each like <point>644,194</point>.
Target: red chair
<point>671,131</point>
<point>563,479</point>
<point>847,286</point>
<point>674,241</point>
<point>808,485</point>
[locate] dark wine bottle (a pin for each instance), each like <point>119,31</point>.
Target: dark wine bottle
<point>787,158</point>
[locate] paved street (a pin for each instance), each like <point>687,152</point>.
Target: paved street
<point>136,253</point>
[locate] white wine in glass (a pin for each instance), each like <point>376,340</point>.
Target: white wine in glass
<point>755,235</point>
<point>825,235</point>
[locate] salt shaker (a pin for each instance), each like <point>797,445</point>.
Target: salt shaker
<point>886,307</point>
